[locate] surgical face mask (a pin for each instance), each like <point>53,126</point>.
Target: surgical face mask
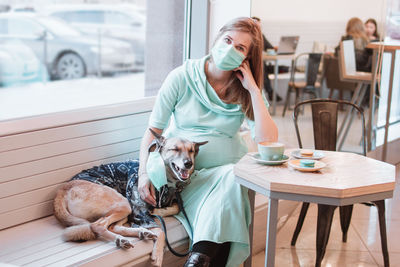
<point>156,170</point>
<point>225,56</point>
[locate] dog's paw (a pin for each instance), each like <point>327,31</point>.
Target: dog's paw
<point>158,211</point>
<point>156,260</point>
<point>124,243</point>
<point>147,234</point>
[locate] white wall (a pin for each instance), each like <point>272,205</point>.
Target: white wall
<point>221,11</point>
<point>314,20</point>
<point>317,10</point>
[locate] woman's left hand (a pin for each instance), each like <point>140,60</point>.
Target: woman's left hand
<point>243,73</point>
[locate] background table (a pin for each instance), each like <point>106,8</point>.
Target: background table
<point>275,58</point>
<point>348,178</point>
<point>386,48</point>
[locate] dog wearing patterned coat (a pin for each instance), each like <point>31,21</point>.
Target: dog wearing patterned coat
<point>100,201</point>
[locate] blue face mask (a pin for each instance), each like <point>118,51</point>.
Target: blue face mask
<point>225,56</point>
<point>156,170</point>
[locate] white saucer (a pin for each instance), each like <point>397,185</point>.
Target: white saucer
<point>295,163</point>
<point>257,158</point>
<point>316,156</point>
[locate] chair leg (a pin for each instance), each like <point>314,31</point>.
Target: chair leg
<point>351,117</point>
<point>299,95</point>
<point>331,93</point>
<point>380,204</point>
<point>286,101</point>
<point>353,100</point>
<point>341,106</point>
<point>345,218</point>
<point>300,221</point>
<point>316,92</point>
<point>324,223</point>
<point>299,98</point>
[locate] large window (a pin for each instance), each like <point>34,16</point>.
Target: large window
<point>64,55</point>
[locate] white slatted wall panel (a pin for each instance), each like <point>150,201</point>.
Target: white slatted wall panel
<point>35,163</point>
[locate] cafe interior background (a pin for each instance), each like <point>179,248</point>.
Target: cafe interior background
<point>30,87</point>
<point>156,36</point>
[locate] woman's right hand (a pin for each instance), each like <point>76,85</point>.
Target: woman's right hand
<point>146,190</point>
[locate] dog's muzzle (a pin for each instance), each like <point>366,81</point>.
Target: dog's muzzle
<point>182,174</point>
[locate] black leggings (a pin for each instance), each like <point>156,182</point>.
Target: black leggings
<point>217,252</point>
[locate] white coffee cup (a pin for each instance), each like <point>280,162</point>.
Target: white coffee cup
<point>271,151</point>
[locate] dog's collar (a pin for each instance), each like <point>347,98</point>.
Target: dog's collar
<point>179,186</point>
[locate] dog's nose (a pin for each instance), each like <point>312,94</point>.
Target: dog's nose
<point>188,163</point>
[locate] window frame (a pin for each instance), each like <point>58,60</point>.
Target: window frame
<point>60,119</point>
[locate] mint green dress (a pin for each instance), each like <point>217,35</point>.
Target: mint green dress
<point>218,208</point>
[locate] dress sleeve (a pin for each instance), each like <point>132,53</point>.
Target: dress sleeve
<point>166,100</point>
<point>251,123</point>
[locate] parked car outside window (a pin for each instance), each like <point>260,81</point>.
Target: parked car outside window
<point>19,64</point>
<point>66,52</point>
<point>125,22</point>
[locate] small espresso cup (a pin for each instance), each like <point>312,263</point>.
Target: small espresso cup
<point>271,151</point>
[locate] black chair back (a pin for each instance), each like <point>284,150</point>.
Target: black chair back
<point>314,59</point>
<point>325,117</point>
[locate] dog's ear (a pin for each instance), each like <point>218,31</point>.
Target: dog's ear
<point>197,145</point>
<point>156,135</point>
<point>159,141</point>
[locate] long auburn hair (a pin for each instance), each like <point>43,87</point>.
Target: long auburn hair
<point>355,28</point>
<point>236,94</point>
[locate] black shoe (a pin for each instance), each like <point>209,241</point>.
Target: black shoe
<point>197,259</point>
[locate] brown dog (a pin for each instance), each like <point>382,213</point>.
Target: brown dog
<point>91,210</point>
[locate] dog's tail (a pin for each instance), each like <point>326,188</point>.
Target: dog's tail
<point>79,233</point>
<point>79,229</point>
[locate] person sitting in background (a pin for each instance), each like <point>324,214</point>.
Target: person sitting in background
<point>267,83</point>
<point>371,29</point>
<point>355,30</point>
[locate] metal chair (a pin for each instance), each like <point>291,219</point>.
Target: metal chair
<point>324,116</point>
<point>310,85</point>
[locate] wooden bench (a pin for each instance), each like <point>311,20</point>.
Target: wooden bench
<point>37,155</point>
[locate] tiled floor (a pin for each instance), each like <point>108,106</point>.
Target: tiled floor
<point>363,246</point>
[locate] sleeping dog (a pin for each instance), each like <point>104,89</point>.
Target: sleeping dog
<point>98,202</point>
